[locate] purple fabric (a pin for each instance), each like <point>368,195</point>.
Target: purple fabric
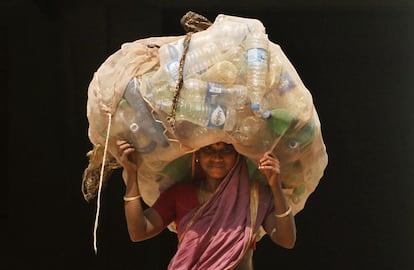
<point>217,234</point>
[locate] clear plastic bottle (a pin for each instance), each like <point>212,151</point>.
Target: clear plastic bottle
<point>200,58</point>
<point>250,130</point>
<point>253,25</point>
<point>227,34</point>
<point>170,52</point>
<point>212,116</point>
<point>169,55</point>
<point>275,69</point>
<point>158,90</point>
<point>224,72</point>
<point>237,56</point>
<point>194,90</point>
<point>145,119</point>
<point>231,120</point>
<point>125,126</point>
<point>163,99</point>
<point>257,67</point>
<point>230,33</point>
<point>229,95</point>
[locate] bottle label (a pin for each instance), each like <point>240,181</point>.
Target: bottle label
<point>213,91</point>
<point>286,83</point>
<point>256,55</point>
<point>217,117</point>
<point>215,88</point>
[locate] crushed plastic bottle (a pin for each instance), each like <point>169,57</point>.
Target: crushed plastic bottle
<point>224,72</point>
<point>125,126</point>
<point>249,130</point>
<point>145,119</point>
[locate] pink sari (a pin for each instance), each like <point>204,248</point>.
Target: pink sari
<point>218,233</point>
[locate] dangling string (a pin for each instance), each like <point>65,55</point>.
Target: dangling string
<point>100,184</point>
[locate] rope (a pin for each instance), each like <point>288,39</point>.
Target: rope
<point>180,81</point>
<point>100,185</point>
<point>191,22</point>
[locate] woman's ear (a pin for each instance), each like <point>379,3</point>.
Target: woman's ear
<point>197,156</point>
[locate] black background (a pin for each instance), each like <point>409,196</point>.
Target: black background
<point>355,57</point>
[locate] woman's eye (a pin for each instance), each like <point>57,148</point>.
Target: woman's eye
<point>208,151</point>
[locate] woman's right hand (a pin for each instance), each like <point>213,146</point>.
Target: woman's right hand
<point>127,159</point>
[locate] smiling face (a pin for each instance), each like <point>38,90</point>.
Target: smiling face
<point>217,160</point>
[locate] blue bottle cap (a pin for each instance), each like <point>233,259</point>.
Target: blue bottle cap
<point>255,106</point>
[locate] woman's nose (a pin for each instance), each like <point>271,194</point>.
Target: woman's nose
<point>218,155</point>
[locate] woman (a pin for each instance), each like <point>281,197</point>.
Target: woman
<point>219,215</point>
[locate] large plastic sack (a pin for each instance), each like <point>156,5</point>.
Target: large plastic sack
<point>236,86</point>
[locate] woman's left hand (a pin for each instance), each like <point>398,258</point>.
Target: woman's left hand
<point>269,165</point>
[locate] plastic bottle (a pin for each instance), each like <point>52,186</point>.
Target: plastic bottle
<point>125,126</point>
<point>227,34</point>
<point>233,96</point>
<point>303,136</point>
<point>169,55</point>
<point>289,95</point>
<point>250,130</point>
<point>257,67</point>
<point>211,105</point>
<point>237,56</point>
<point>170,52</point>
<point>230,33</point>
<point>145,119</point>
<point>274,70</point>
<point>212,116</point>
<point>231,120</point>
<point>200,58</point>
<point>278,121</point>
<point>224,72</point>
<point>254,25</point>
<point>194,90</point>
<point>160,96</point>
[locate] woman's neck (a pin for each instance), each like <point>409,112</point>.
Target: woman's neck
<point>210,185</point>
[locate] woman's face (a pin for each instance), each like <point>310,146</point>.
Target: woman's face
<point>217,160</point>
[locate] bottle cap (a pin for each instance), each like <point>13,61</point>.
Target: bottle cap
<point>134,127</point>
<point>255,106</point>
<point>266,114</point>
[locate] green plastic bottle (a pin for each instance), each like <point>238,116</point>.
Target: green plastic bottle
<point>278,121</point>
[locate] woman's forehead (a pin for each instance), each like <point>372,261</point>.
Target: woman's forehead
<point>220,145</point>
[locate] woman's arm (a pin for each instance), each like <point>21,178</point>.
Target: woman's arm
<point>280,225</point>
<point>142,224</point>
